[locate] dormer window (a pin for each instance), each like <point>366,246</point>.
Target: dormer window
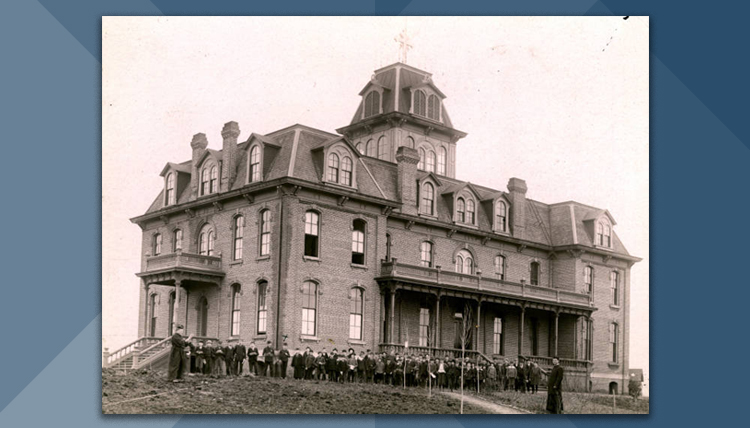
<point>461,210</point>
<point>501,216</point>
<point>372,104</point>
<point>470,217</point>
<point>603,234</point>
<point>254,173</point>
<point>442,155</point>
<point>170,197</point>
<point>346,171</point>
<point>340,168</point>
<point>333,168</point>
<point>433,107</point>
<point>209,179</point>
<point>428,199</point>
<point>420,104</point>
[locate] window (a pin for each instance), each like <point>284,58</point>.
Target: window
<point>265,232</point>
<point>209,179</point>
<point>371,149</point>
<point>372,104</point>
<point>534,273</point>
<point>177,240</point>
<point>470,211</point>
<point>419,103</point>
<point>382,148</point>
<point>254,164</point>
<point>333,168</point>
<point>409,142</point>
<point>607,236</point>
<point>428,199</point>
<point>464,262</point>
<point>236,289</point>
<point>500,267</point>
<point>358,242</point>
<point>588,278</point>
<point>614,282</point>
<point>430,161</point>
<point>239,230</point>
<point>461,210</point>
<point>152,310</point>
<point>424,326</point>
<point>425,249</point>
<point>262,306</point>
<point>441,156</point>
<point>311,233</point>
<point>501,217</point>
<point>613,338</point>
<point>346,171</point>
<point>206,241</point>
<point>420,165</point>
<point>356,295</point>
<point>361,148</point>
<point>204,181</point>
<point>586,339</point>
<point>170,197</point>
<point>600,234</point>
<point>157,244</point>
<point>433,107</point>
<point>497,337</point>
<point>213,184</point>
<point>309,307</point>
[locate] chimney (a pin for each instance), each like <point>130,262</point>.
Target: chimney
<point>406,182</point>
<point>199,145</point>
<point>229,133</point>
<point>517,189</point>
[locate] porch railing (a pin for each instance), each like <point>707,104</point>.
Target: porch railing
<point>111,358</point>
<point>566,363</point>
<point>180,259</point>
<point>438,276</point>
<point>442,353</point>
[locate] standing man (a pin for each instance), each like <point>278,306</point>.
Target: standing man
<point>298,362</point>
<point>554,385</point>
<point>176,356</point>
<point>239,357</point>
<point>284,358</point>
<point>268,357</point>
<point>252,358</point>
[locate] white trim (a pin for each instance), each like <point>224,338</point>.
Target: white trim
<point>573,224</point>
<point>373,178</point>
<point>294,153</point>
<point>398,88</point>
<point>609,376</point>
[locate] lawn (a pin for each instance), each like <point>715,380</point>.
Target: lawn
<point>574,402</point>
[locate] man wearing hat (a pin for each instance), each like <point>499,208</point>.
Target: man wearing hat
<point>177,355</point>
<point>554,387</point>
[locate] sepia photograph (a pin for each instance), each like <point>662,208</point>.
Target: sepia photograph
<point>360,215</point>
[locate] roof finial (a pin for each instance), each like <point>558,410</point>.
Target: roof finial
<point>403,40</point>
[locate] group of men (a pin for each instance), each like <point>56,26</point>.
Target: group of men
<point>213,359</point>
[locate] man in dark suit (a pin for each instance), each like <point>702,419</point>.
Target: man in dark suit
<point>554,387</point>
<point>177,356</point>
<point>268,352</point>
<point>298,362</point>
<point>239,357</point>
<point>331,364</point>
<point>252,358</point>
<point>228,359</point>
<point>284,358</point>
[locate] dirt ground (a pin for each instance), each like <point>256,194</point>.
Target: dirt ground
<point>574,402</point>
<point>126,394</point>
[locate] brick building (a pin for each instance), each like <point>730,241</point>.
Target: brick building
<point>366,239</point>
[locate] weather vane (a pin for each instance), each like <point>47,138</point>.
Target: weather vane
<point>403,41</point>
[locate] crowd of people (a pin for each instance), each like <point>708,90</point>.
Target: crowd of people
<point>212,358</point>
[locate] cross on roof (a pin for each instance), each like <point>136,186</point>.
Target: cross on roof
<point>403,40</point>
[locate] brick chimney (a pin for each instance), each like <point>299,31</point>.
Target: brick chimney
<point>229,133</point>
<point>199,145</point>
<point>406,181</point>
<point>517,189</point>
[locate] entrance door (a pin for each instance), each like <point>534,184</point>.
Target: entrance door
<point>203,317</point>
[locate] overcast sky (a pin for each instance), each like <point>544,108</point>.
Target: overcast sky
<point>561,102</point>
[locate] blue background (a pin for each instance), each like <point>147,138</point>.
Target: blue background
<point>51,223</point>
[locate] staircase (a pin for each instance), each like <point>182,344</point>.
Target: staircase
<point>144,352</point>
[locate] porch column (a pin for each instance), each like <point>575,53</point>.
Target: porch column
<point>557,317</point>
<point>145,307</point>
<point>439,343</point>
<point>520,342</point>
<point>382,330</point>
<point>392,317</point>
<point>478,325</point>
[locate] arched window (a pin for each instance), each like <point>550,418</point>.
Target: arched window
<point>614,332</point>
<point>204,181</point>
<point>254,164</point>
<point>239,231</point>
<point>152,311</point>
<point>356,296</point>
<point>428,199</point>
<point>433,107</point>
<point>262,307</point>
<point>534,273</point>
<point>361,148</point>
<point>358,242</point>
<point>420,103</point>
<point>501,217</point>
<point>171,313</point>
<point>607,236</point>
<point>371,149</point>
<point>425,254</point>
<point>470,211</point>
<point>346,171</point>
<point>441,157</point>
<point>214,183</point>
<point>430,161</point>
<point>588,278</point>
<point>422,154</point>
<point>170,197</point>
<point>206,241</point>
<point>409,142</point>
<point>312,230</point>
<point>236,289</point>
<point>614,281</point>
<point>600,234</point>
<point>309,307</point>
<point>383,148</point>
<point>464,262</point>
<point>333,168</point>
<point>265,232</point>
<point>460,210</point>
<point>157,244</point>
<point>372,104</point>
<point>500,267</point>
<point>177,240</point>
